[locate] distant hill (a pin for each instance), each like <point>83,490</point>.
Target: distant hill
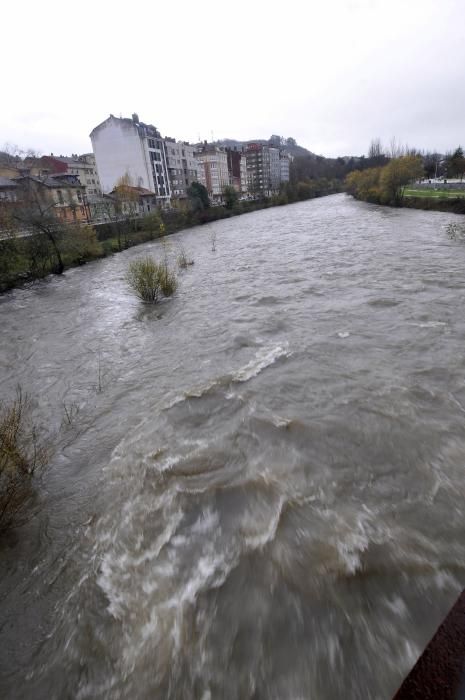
<point>286,144</point>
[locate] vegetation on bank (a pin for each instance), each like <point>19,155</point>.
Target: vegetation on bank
<point>385,184</point>
<point>391,185</point>
<point>23,456</point>
<point>43,246</point>
<point>391,177</point>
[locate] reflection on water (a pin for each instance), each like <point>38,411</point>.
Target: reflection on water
<point>262,493</point>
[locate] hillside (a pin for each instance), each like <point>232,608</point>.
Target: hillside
<point>289,145</point>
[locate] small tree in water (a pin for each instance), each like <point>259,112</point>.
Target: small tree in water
<point>148,279</point>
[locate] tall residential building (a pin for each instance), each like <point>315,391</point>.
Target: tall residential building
<point>237,168</point>
<point>83,167</point>
<point>258,169</point>
<point>263,169</point>
<point>275,170</point>
<point>284,163</point>
<point>182,166</point>
<point>131,149</point>
<point>213,169</point>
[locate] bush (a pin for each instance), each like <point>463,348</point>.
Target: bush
<point>152,224</point>
<point>22,455</point>
<point>148,279</point>
<point>167,279</point>
<point>183,258</point>
<point>81,244</point>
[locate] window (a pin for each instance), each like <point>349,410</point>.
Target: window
<point>79,196</point>
<point>60,196</point>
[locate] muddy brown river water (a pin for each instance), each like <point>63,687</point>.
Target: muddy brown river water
<point>261,491</point>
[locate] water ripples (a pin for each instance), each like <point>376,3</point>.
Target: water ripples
<point>264,496</point>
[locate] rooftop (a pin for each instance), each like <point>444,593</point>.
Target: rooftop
<point>6,182</point>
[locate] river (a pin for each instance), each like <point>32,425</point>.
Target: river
<point>260,492</point>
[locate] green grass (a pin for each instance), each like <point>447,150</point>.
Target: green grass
<point>434,194</point>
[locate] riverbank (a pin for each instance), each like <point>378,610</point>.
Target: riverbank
<point>24,260</point>
<point>450,205</point>
<point>391,185</point>
<point>454,205</point>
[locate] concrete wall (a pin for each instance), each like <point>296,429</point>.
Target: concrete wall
<point>119,150</point>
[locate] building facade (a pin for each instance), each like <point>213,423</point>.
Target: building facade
<point>258,170</point>
<point>237,169</point>
<point>8,190</point>
<point>83,167</point>
<point>213,170</point>
<point>263,169</point>
<point>65,194</point>
<point>284,164</point>
<point>182,166</point>
<point>131,150</point>
<point>275,170</point>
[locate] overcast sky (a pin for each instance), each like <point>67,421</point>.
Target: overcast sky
<point>331,74</point>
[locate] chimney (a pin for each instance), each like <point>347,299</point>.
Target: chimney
<point>135,118</point>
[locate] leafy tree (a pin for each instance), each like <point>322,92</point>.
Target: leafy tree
<point>364,184</point>
<point>455,163</point>
<point>153,224</point>
<point>398,173</point>
<point>198,196</point>
<point>230,196</point>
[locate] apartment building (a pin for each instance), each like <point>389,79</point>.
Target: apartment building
<point>182,166</point>
<point>284,164</point>
<point>263,169</point>
<point>258,169</point>
<point>275,170</point>
<point>130,149</point>
<point>213,169</point>
<point>83,167</point>
<point>237,169</point>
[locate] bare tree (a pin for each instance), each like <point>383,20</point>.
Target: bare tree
<point>36,216</point>
<point>396,150</point>
<point>376,148</point>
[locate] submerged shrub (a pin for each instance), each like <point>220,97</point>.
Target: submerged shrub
<point>183,258</point>
<point>22,455</point>
<point>168,280</point>
<point>148,279</point>
<point>456,232</point>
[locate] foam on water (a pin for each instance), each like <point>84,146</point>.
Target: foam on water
<point>263,358</point>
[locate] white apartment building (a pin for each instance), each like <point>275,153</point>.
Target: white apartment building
<point>213,170</point>
<point>182,166</point>
<point>128,147</point>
